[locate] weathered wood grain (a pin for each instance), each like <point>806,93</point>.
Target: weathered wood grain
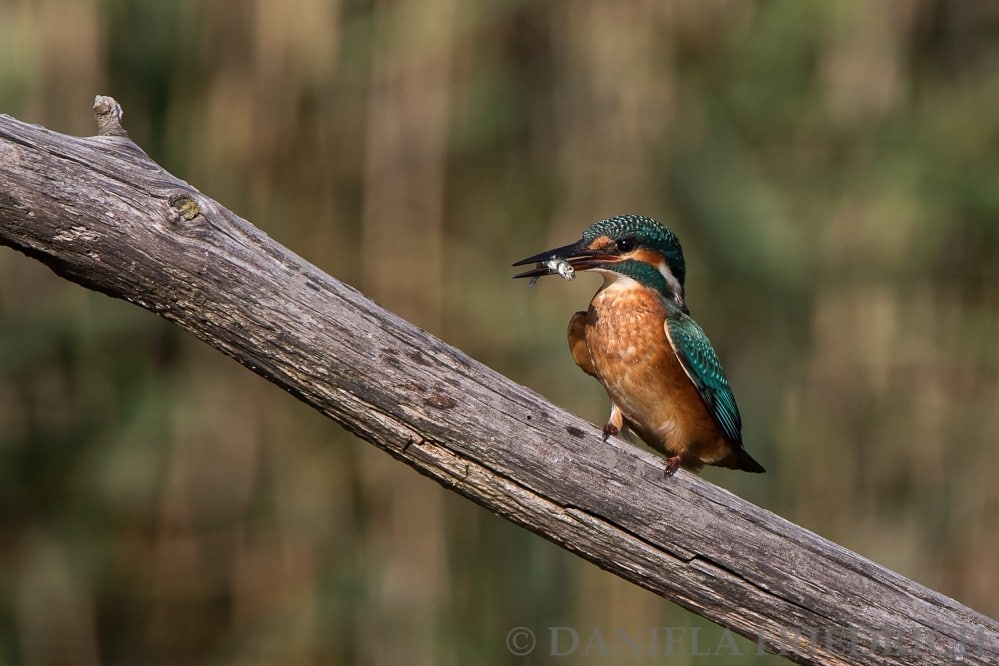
<point>101,213</point>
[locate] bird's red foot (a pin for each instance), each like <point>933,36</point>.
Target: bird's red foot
<point>672,464</point>
<point>609,430</point>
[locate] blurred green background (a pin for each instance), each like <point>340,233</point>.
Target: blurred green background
<point>832,170</point>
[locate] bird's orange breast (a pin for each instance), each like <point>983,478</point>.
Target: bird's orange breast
<point>635,362</point>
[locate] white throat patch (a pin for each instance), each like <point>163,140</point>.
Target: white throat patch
<point>617,281</point>
<point>620,282</point>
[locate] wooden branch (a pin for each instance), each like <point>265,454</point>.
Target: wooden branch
<point>101,213</point>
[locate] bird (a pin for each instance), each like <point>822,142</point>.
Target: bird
<point>638,339</point>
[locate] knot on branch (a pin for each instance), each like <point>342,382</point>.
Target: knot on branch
<point>108,113</point>
<point>183,207</point>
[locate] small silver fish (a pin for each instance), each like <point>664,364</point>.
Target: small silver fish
<point>555,266</point>
<point>562,267</point>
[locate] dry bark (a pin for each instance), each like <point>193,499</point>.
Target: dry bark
<point>101,213</point>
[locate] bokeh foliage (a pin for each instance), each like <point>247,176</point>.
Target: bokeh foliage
<point>831,168</point>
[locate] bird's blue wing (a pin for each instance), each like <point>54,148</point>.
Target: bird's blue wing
<point>699,360</point>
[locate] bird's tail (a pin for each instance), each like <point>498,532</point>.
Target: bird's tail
<point>741,460</point>
<point>746,463</point>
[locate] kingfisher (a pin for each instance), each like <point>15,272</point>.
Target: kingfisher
<point>638,340</point>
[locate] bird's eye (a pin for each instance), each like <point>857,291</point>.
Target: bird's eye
<point>627,244</point>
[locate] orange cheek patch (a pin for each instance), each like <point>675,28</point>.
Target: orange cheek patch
<point>647,256</point>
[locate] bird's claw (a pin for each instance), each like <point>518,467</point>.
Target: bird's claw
<point>610,430</point>
<point>672,464</point>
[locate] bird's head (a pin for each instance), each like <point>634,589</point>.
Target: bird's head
<point>631,247</point>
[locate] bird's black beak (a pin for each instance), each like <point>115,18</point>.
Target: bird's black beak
<point>577,255</point>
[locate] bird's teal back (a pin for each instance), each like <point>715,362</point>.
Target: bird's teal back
<point>701,363</point>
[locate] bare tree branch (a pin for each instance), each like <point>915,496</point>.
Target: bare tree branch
<point>101,213</point>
